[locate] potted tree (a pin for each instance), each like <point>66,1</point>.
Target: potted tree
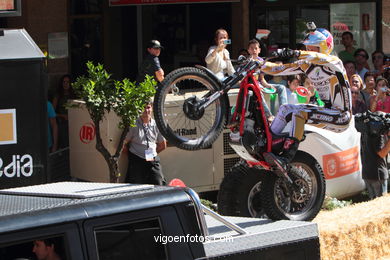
<point>103,94</point>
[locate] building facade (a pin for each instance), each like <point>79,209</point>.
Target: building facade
<point>114,32</point>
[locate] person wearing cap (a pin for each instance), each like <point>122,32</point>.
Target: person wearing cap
<point>151,63</point>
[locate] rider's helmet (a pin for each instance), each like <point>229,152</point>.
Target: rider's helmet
<point>319,37</point>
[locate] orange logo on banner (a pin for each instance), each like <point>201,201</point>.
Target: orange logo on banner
<point>87,133</point>
<point>341,163</point>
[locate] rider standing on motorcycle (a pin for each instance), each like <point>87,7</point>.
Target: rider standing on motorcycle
<point>330,80</point>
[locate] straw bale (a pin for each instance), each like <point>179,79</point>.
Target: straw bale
<point>359,231</point>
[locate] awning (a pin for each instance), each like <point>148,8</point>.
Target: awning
<point>17,44</point>
<point>152,2</point>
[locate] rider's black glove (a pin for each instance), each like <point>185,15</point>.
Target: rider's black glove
<point>285,53</point>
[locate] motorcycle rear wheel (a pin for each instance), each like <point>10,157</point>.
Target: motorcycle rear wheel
<point>176,113</point>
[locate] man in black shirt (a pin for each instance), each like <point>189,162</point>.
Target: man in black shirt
<point>151,63</point>
<point>375,173</point>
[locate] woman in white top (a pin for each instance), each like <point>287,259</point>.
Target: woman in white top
<point>218,57</point>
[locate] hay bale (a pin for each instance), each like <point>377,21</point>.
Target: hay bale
<point>359,231</point>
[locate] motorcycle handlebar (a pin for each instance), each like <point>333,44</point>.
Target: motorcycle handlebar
<point>247,65</point>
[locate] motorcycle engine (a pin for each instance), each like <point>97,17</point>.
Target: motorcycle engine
<point>252,140</point>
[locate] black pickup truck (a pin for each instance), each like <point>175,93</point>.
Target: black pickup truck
<point>124,221</point>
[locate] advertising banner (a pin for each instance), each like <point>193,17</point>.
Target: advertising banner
<point>7,5</point>
<point>146,2</point>
<point>341,163</point>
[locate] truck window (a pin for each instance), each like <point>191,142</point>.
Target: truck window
<point>34,249</point>
<point>135,240</point>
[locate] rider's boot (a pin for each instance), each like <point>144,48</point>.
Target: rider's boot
<point>280,162</point>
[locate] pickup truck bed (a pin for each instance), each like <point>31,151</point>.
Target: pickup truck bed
<point>266,239</point>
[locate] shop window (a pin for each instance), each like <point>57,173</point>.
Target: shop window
<point>136,240</point>
<point>277,21</point>
<point>359,19</point>
<point>278,24</point>
<point>26,249</point>
<point>85,34</point>
<point>79,7</point>
<point>288,24</point>
<point>177,27</point>
<point>319,14</point>
<point>85,41</point>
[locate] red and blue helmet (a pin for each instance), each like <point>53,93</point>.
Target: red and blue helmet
<point>321,38</point>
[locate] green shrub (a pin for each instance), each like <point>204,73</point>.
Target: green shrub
<point>209,204</point>
<point>333,203</point>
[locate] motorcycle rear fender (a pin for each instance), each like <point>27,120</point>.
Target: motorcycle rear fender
<point>219,86</point>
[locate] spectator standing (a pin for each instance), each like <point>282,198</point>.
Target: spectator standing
<point>369,90</point>
<point>357,81</point>
<point>143,143</point>
<point>52,128</point>
<point>375,149</point>
<point>350,68</point>
<point>361,58</point>
<point>218,57</point>
<point>151,63</point>
<point>64,94</point>
<point>381,101</point>
<point>386,68</point>
<point>358,105</point>
<point>378,62</point>
<point>348,53</point>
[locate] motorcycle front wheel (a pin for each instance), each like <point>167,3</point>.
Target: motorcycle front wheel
<point>301,201</point>
<point>177,113</point>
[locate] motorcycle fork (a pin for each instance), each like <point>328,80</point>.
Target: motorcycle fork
<point>242,103</point>
<point>259,96</point>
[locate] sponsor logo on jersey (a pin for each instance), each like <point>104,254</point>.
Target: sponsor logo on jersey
<point>278,68</point>
<point>321,117</point>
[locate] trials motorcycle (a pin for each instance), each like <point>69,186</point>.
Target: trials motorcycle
<point>191,109</point>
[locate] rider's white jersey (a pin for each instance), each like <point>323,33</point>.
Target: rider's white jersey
<point>325,71</point>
